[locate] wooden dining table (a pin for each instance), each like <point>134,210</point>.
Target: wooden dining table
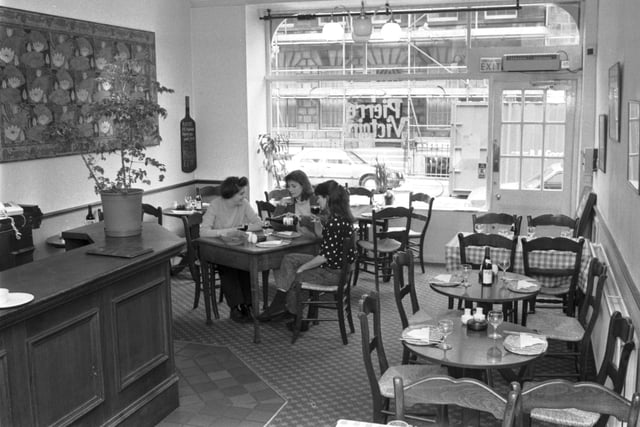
<point>473,351</point>
<point>503,291</point>
<point>249,257</point>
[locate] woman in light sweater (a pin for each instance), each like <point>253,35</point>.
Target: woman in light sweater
<point>225,216</point>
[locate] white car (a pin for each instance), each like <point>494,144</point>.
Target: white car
<point>344,166</point>
<point>553,180</point>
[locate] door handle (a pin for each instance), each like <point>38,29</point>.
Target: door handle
<point>498,196</point>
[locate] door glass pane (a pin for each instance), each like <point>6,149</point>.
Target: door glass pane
<point>509,173</point>
<point>554,140</point>
<point>511,106</point>
<point>556,110</point>
<point>553,175</point>
<point>533,105</point>
<point>532,140</point>
<point>531,174</point>
<point>510,140</point>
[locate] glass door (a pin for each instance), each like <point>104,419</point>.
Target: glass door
<point>532,147</point>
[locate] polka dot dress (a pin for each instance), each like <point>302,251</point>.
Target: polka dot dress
<point>335,231</point>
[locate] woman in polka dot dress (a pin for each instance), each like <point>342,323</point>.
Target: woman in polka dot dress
<point>325,267</point>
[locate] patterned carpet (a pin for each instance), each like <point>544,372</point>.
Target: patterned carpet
<point>314,382</point>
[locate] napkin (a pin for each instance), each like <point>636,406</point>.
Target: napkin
<point>443,277</point>
<point>421,334</point>
<point>526,340</point>
<point>523,284</point>
<point>285,233</point>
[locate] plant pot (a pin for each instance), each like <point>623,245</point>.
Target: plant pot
<point>122,213</point>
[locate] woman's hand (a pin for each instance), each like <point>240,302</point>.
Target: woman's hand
<point>235,233</point>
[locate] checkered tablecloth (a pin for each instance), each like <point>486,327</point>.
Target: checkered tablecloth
<point>551,259</point>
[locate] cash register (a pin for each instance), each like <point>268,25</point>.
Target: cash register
<point>16,239</point>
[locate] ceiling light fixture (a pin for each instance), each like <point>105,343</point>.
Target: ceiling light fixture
<point>390,31</point>
<point>361,27</point>
<point>334,31</point>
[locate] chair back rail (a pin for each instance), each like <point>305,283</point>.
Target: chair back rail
<point>554,220</point>
<point>619,341</point>
<point>276,194</point>
<point>501,246</point>
<point>464,392</point>
<point>498,218</point>
<point>586,396</point>
<point>416,218</point>
<point>155,211</point>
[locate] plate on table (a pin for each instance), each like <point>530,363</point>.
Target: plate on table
<point>445,280</point>
<point>16,299</point>
<point>366,214</point>
<point>422,335</point>
<point>273,243</point>
<point>533,344</point>
<point>522,286</point>
<point>287,234</point>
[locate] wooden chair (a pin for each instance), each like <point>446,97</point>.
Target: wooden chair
<point>276,194</point>
<point>575,332</point>
<point>559,284</point>
<point>416,237</point>
<point>466,393</point>
<point>153,211</point>
<point>578,403</point>
<point>378,252</point>
<point>612,371</point>
<point>379,373</point>
<point>502,249</point>
<point>265,209</point>
<point>340,297</point>
<point>191,224</point>
<point>585,213</point>
<point>558,221</point>
<point>404,286</point>
<point>361,193</point>
<point>495,222</point>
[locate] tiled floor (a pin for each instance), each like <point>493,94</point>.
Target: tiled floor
<point>218,389</point>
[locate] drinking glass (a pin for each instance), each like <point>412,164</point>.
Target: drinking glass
<point>466,270</point>
<point>446,327</point>
<point>188,202</point>
<point>495,319</point>
<point>504,265</point>
<point>531,231</point>
<point>479,228</point>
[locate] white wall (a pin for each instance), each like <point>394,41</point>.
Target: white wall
<point>60,183</point>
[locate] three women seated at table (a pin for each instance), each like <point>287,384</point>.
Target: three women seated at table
<point>232,210</point>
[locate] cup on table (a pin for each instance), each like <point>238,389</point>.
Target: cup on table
<point>465,271</point>
<point>480,228</point>
<point>4,296</point>
<point>397,423</point>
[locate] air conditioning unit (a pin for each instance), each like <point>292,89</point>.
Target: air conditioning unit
<point>531,62</point>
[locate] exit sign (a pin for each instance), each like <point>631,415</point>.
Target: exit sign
<point>490,65</point>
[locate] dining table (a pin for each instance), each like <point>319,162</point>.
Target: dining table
<point>508,289</point>
<point>473,352</point>
<point>251,257</point>
<point>550,259</point>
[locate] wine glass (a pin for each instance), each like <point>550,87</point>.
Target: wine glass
<point>446,328</point>
<point>495,319</point>
<point>531,231</point>
<point>504,265</point>
<point>479,228</point>
<point>466,270</point>
<point>188,202</point>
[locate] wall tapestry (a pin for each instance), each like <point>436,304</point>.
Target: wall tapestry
<point>48,69</point>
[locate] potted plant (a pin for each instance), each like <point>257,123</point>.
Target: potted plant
<point>382,183</point>
<point>119,123</point>
<point>275,149</point>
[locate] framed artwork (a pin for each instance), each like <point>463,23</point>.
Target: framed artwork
<point>614,102</point>
<point>602,142</point>
<point>50,68</point>
<point>633,166</point>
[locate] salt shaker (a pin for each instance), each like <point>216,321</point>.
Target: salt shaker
<point>479,315</point>
<point>466,316</point>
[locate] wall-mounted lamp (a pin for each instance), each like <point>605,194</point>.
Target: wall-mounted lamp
<point>391,30</point>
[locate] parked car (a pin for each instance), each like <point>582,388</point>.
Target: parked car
<point>553,178</point>
<point>344,166</point>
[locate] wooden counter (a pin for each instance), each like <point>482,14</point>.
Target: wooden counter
<point>95,345</point>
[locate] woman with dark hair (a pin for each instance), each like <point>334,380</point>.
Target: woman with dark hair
<point>325,267</point>
<point>299,204</point>
<point>223,217</point>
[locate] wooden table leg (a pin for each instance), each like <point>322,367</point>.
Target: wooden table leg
<point>255,297</point>
<point>206,285</point>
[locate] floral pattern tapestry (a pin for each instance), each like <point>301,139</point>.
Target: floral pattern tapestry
<point>48,68</point>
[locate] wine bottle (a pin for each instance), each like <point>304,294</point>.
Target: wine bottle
<point>89,219</point>
<point>288,220</point>
<point>198,199</point>
<point>188,140</point>
<point>487,268</point>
